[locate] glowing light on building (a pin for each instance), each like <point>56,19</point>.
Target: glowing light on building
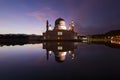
<point>50,28</point>
<point>115,42</point>
<point>75,37</point>
<point>115,39</point>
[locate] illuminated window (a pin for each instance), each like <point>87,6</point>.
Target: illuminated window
<point>60,33</point>
<point>60,47</point>
<point>75,37</point>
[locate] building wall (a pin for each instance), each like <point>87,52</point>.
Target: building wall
<point>59,35</point>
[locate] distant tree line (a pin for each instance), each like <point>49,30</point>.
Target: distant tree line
<point>13,36</point>
<point>17,37</point>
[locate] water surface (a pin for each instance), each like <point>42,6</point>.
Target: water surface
<point>59,61</point>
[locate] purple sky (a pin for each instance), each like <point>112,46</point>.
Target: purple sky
<point>29,16</point>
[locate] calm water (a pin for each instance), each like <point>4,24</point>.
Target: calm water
<point>59,61</point>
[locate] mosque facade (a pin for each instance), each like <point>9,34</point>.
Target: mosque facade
<point>60,31</point>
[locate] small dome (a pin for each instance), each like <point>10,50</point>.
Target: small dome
<point>60,24</point>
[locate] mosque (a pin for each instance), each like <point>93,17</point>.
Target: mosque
<point>60,31</point>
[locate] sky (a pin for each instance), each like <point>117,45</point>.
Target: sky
<point>29,16</point>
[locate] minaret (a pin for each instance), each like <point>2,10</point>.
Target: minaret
<point>47,25</point>
<point>72,25</point>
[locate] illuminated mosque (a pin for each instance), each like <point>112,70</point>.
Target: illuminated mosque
<point>60,31</point>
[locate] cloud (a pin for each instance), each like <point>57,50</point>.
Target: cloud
<point>44,14</point>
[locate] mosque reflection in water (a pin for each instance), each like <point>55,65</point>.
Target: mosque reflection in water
<point>60,50</point>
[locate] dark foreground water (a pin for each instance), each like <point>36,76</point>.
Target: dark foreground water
<point>59,61</point>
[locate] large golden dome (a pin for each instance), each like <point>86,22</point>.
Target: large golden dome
<point>60,24</point>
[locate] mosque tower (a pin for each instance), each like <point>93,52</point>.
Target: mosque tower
<point>47,25</point>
